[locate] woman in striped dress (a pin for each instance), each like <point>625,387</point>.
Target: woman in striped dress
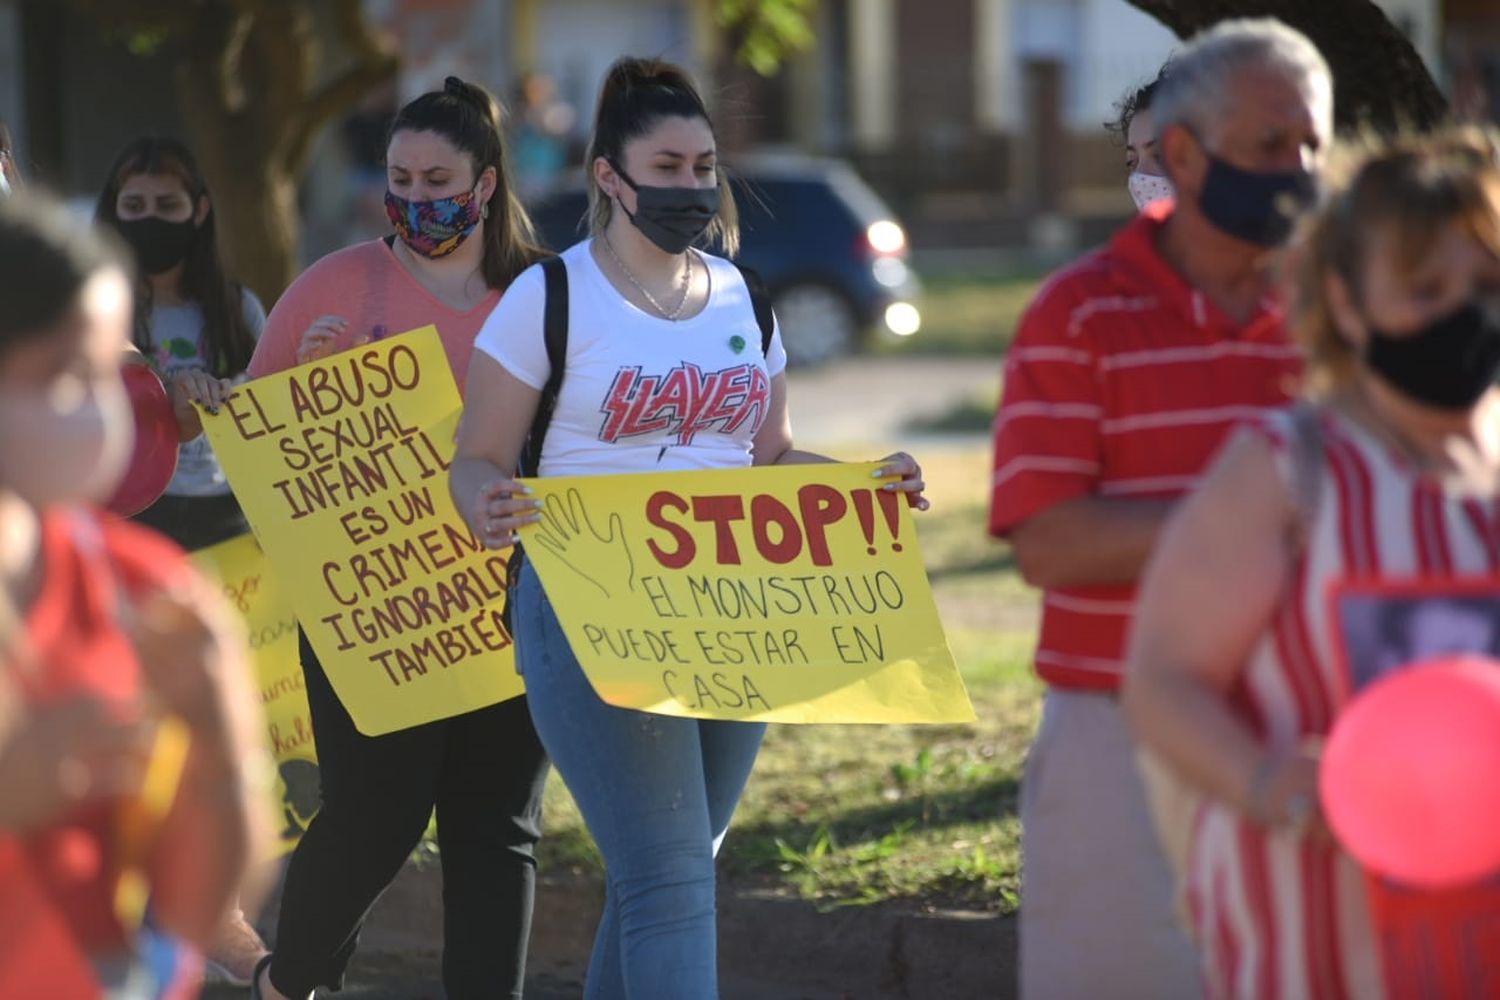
<point>1295,574</point>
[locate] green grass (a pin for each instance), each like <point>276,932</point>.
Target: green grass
<point>921,815</point>
<point>975,415</point>
<point>972,313</point>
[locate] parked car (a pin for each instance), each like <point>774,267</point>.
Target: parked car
<point>832,255</point>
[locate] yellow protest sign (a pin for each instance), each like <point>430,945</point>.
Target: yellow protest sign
<point>341,467</point>
<point>779,594</point>
<point>271,622</point>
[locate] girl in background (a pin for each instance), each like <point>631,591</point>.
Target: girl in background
<point>194,324</point>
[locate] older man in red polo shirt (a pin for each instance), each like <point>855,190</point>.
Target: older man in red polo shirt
<point>1129,369</point>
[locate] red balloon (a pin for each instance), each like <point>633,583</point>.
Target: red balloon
<point>1410,779</point>
<point>154,458</point>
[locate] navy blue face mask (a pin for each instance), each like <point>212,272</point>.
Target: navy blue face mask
<point>1254,206</point>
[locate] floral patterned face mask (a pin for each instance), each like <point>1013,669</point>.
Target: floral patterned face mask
<point>434,228</point>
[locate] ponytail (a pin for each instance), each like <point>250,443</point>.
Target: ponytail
<point>470,118</point>
<point>637,94</point>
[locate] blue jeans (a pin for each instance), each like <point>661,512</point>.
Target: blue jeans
<point>657,793</point>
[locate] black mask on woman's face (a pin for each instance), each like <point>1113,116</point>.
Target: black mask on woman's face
<point>1447,364</point>
<point>159,245</point>
<point>671,217</point>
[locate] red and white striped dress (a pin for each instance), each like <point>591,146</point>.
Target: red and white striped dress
<point>1277,916</point>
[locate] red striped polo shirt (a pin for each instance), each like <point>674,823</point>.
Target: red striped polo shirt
<point>1122,382</point>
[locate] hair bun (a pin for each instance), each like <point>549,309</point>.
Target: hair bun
<point>453,85</point>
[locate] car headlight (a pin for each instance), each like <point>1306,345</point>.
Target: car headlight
<point>891,272</point>
<point>886,237</point>
<point>903,319</point>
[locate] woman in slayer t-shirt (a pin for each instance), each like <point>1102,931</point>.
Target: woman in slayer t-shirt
<point>664,371</point>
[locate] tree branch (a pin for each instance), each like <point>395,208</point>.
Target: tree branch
<point>1379,79</point>
<point>277,68</point>
<point>375,61</point>
<point>211,49</point>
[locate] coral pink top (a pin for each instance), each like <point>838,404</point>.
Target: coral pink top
<point>369,287</point>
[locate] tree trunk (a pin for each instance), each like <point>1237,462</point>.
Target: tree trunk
<point>256,202</point>
<point>253,113</point>
<point>236,142</point>
<point>1379,79</point>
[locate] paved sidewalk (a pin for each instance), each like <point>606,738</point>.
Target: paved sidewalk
<point>871,401</point>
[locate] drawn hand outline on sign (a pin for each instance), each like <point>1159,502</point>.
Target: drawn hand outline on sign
<point>568,532</point>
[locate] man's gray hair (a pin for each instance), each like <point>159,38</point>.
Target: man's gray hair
<point>1195,91</point>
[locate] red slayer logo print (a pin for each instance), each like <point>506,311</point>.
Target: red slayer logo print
<point>685,401</point>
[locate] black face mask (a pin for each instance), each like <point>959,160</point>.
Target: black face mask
<point>1256,207</point>
<point>1449,364</point>
<point>159,245</point>
<point>671,217</point>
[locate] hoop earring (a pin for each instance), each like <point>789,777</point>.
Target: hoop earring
<point>484,210</point>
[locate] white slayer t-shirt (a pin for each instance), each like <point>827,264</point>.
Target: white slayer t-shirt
<point>641,393</point>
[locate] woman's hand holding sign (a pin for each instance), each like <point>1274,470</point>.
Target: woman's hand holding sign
<point>321,339</point>
<point>911,482</point>
<point>499,509</point>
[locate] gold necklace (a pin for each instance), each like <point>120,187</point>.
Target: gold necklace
<point>687,283</point>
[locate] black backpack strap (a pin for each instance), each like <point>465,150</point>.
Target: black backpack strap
<point>1307,453</point>
<point>555,336</point>
<point>760,301</point>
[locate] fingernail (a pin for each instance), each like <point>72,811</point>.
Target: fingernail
<point>888,487</point>
<point>526,489</point>
<point>538,504</point>
<point>880,474</point>
<point>533,519</point>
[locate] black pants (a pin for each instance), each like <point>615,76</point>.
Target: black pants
<point>484,771</point>
<point>195,522</point>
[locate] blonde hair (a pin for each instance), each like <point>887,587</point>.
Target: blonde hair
<point>1411,186</point>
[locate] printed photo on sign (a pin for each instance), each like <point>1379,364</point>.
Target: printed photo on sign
<point>1432,942</point>
<point>1385,629</point>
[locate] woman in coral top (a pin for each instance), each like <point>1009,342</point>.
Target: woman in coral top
<point>129,769</point>
<point>1322,537</point>
<point>460,238</point>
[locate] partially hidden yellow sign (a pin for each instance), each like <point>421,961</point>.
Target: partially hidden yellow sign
<point>341,467</point>
<point>271,622</point>
<point>779,594</point>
